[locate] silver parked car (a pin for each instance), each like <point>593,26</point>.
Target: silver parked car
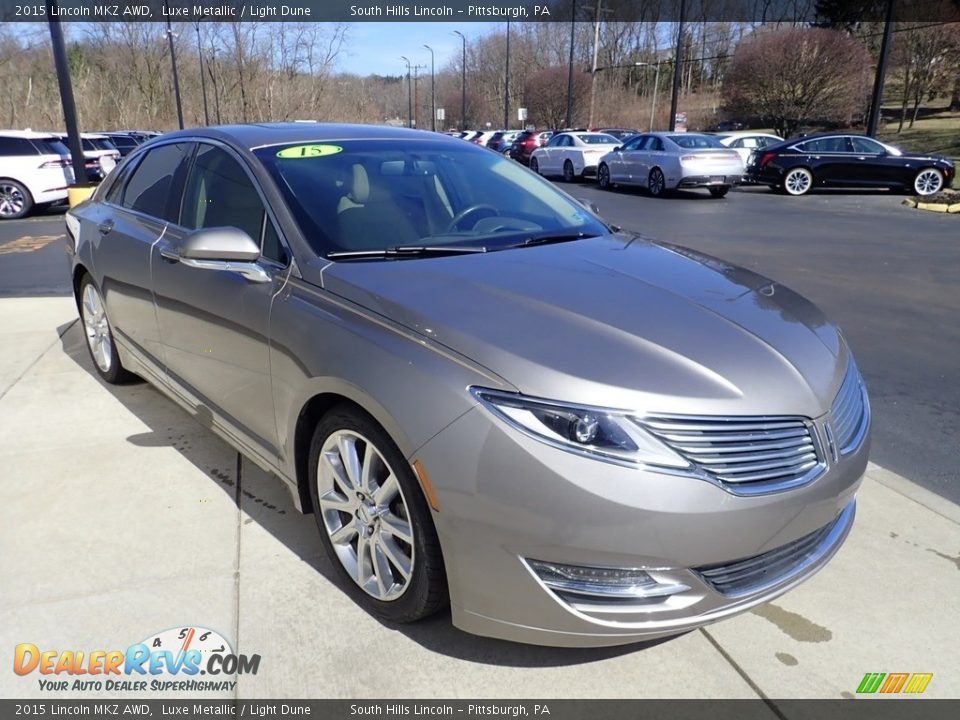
<point>663,161</point>
<point>482,392</point>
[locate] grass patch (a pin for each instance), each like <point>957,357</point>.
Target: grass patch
<point>939,135</point>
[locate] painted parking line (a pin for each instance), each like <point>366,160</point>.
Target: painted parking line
<point>28,243</point>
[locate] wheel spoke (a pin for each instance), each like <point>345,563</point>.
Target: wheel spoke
<point>387,491</point>
<point>397,557</point>
<point>363,553</point>
<point>381,568</point>
<point>350,460</point>
<point>344,534</point>
<point>333,501</point>
<point>331,461</point>
<point>367,470</point>
<point>393,525</point>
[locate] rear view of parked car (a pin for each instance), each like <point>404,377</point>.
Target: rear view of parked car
<point>799,165</point>
<point>666,161</point>
<point>35,171</point>
<point>526,142</point>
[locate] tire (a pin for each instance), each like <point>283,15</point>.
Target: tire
<point>656,183</point>
<point>928,181</point>
<point>409,582</point>
<point>99,335</point>
<point>798,181</point>
<point>603,177</point>
<point>534,165</point>
<point>568,174</point>
<point>719,192</point>
<point>15,200</point>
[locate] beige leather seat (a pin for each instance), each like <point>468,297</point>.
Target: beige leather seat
<point>368,216</point>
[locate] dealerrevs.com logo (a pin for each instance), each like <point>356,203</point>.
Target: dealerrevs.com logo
<point>171,660</point>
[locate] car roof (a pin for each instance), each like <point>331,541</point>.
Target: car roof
<point>30,134</point>
<point>256,135</point>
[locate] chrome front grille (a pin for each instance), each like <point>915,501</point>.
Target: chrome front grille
<point>750,454</point>
<point>850,412</point>
<point>750,575</point>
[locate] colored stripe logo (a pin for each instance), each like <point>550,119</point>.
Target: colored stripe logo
<point>891,683</point>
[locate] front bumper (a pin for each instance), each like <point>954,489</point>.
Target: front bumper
<point>506,498</point>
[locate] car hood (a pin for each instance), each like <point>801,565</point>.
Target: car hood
<point>615,321</point>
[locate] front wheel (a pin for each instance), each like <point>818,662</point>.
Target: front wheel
<point>603,177</point>
<point>100,342</point>
<point>15,200</point>
<point>534,165</point>
<point>928,181</point>
<point>798,181</point>
<point>719,192</point>
<point>656,183</point>
<point>373,518</point>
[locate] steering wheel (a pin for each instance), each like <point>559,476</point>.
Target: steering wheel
<point>467,212</point>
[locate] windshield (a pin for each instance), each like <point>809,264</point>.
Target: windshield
<point>368,195</point>
<point>598,139</point>
<point>691,141</point>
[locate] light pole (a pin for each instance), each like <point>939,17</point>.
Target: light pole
<point>573,27</point>
<point>203,80</point>
<point>677,68</point>
<point>173,62</point>
<point>433,92</point>
<point>409,94</point>
<point>463,83</point>
<point>66,95</point>
<point>656,87</point>
<point>506,85</point>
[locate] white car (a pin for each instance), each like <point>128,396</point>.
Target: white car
<point>483,137</point>
<point>100,148</point>
<point>746,142</point>
<point>35,171</point>
<point>572,154</point>
<point>662,161</point>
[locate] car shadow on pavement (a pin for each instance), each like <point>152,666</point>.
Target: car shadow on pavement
<point>265,500</point>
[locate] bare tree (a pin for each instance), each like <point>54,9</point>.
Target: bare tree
<point>546,95</point>
<point>798,75</point>
<point>930,62</point>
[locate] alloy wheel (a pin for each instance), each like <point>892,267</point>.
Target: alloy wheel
<point>568,175</point>
<point>928,182</point>
<point>97,328</point>
<point>12,200</point>
<point>798,181</point>
<point>603,177</point>
<point>535,165</point>
<point>365,515</point>
<point>656,183</point>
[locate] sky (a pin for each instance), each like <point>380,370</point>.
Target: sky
<point>375,48</point>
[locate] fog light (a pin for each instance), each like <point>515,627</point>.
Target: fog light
<point>602,581</point>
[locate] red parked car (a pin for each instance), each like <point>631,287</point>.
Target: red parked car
<point>526,142</point>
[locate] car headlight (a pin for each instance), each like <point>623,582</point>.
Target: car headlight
<point>611,435</point>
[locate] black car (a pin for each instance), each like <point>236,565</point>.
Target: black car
<point>800,164</point>
<point>126,143</point>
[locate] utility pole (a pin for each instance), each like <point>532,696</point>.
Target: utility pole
<point>593,68</point>
<point>878,80</point>
<point>573,27</point>
<point>433,92</point>
<point>463,83</point>
<point>66,95</point>
<point>409,94</point>
<point>415,105</point>
<point>677,68</point>
<point>203,79</point>
<point>506,85</point>
<point>173,62</point>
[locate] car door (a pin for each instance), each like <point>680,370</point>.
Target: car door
<point>139,203</point>
<point>872,164</point>
<point>215,324</point>
<point>629,157</point>
<point>829,159</point>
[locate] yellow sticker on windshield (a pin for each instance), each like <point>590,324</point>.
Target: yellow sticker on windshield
<point>307,151</point>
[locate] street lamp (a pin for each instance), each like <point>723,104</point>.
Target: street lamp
<point>409,94</point>
<point>656,86</point>
<point>463,83</point>
<point>433,92</point>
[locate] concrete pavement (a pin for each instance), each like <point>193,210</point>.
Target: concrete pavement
<point>121,517</point>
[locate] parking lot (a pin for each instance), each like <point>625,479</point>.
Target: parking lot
<point>122,516</point>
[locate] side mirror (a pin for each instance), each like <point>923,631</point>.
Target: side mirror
<point>618,148</point>
<point>589,205</point>
<point>227,244</point>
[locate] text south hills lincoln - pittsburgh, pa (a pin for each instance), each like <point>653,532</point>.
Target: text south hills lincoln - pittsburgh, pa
<point>511,12</point>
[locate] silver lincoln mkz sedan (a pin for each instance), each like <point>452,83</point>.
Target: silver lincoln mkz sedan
<point>486,395</point>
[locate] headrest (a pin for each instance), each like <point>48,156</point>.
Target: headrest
<point>359,184</point>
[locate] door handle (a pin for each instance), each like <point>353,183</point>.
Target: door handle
<point>105,227</point>
<point>169,254</point>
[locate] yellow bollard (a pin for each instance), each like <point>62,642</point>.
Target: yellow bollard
<point>76,194</point>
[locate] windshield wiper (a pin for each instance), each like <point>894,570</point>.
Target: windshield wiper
<point>553,238</point>
<point>406,251</point>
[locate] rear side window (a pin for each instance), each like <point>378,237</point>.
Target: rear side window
<point>51,146</point>
<point>826,145</point>
<point>155,186</point>
<point>11,146</point>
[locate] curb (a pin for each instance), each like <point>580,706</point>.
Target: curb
<point>953,208</point>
